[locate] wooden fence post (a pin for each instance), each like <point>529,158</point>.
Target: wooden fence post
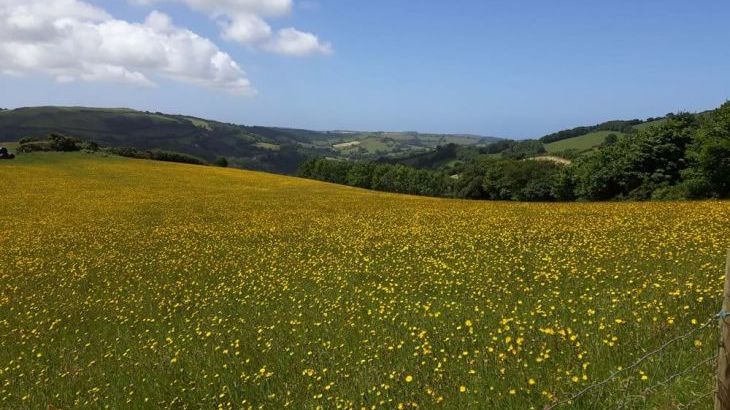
<point>722,395</point>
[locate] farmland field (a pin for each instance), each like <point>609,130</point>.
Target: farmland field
<point>137,284</point>
<point>582,143</point>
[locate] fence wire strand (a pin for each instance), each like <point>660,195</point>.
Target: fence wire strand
<point>640,360</point>
<point>696,400</point>
<point>666,381</point>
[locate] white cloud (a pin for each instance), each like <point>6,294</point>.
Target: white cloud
<point>72,40</point>
<point>293,42</point>
<point>245,28</point>
<point>237,7</point>
<point>243,21</point>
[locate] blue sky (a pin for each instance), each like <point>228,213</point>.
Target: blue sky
<point>511,69</point>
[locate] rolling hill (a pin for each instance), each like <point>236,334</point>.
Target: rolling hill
<point>581,143</point>
<point>271,149</point>
<point>586,138</point>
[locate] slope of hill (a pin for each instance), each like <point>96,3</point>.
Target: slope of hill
<point>587,138</point>
<point>129,283</point>
<point>615,126</point>
<point>581,143</point>
<point>261,148</point>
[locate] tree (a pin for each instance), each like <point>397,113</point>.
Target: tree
<point>711,151</point>
<point>63,143</point>
<point>611,139</point>
<point>526,180</point>
<point>221,162</point>
<point>361,175</point>
<point>635,167</point>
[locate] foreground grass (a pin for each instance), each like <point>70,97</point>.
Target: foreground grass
<point>137,284</point>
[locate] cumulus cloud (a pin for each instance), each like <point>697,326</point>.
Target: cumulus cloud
<point>243,21</point>
<point>246,28</point>
<point>293,42</point>
<point>73,40</point>
<point>234,7</point>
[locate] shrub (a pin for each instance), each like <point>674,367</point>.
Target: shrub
<point>157,155</point>
<point>64,143</point>
<point>221,162</point>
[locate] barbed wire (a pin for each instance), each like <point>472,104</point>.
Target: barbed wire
<point>666,381</point>
<point>696,400</point>
<point>721,316</point>
<point>681,373</point>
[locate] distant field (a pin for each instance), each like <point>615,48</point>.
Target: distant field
<point>594,139</point>
<point>582,143</point>
<point>346,145</point>
<point>371,144</point>
<point>650,124</point>
<point>265,145</point>
<point>550,158</point>
<point>139,284</point>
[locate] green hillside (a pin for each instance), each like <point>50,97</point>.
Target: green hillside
<point>145,130</point>
<point>581,143</point>
<point>586,138</point>
<point>272,149</point>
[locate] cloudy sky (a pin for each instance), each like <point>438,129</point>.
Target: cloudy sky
<point>515,69</point>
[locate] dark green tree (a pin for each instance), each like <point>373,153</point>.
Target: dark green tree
<point>711,151</point>
<point>221,162</point>
<point>611,139</point>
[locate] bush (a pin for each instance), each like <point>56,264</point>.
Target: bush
<point>170,156</point>
<point>156,155</point>
<point>91,146</point>
<point>36,146</point>
<point>221,162</point>
<point>65,144</point>
<point>611,139</point>
<point>54,142</point>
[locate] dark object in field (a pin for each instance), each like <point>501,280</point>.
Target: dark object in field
<point>4,154</point>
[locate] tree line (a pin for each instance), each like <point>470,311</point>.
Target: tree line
<point>381,177</point>
<point>686,157</point>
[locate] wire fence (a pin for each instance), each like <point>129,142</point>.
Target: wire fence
<point>623,370</point>
<point>697,400</point>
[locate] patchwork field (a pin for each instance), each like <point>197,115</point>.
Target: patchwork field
<point>138,284</point>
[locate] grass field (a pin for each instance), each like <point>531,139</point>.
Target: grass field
<point>138,284</point>
<point>650,124</point>
<point>12,146</point>
<point>582,143</point>
<point>594,139</point>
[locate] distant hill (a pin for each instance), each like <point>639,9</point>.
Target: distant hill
<point>271,149</point>
<point>586,138</point>
<point>567,145</point>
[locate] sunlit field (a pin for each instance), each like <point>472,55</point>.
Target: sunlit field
<point>138,284</point>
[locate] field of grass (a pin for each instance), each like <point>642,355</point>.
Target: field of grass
<point>582,143</point>
<point>267,146</point>
<point>12,146</point>
<point>137,284</point>
<point>594,139</point>
<point>646,125</point>
<point>370,144</point>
